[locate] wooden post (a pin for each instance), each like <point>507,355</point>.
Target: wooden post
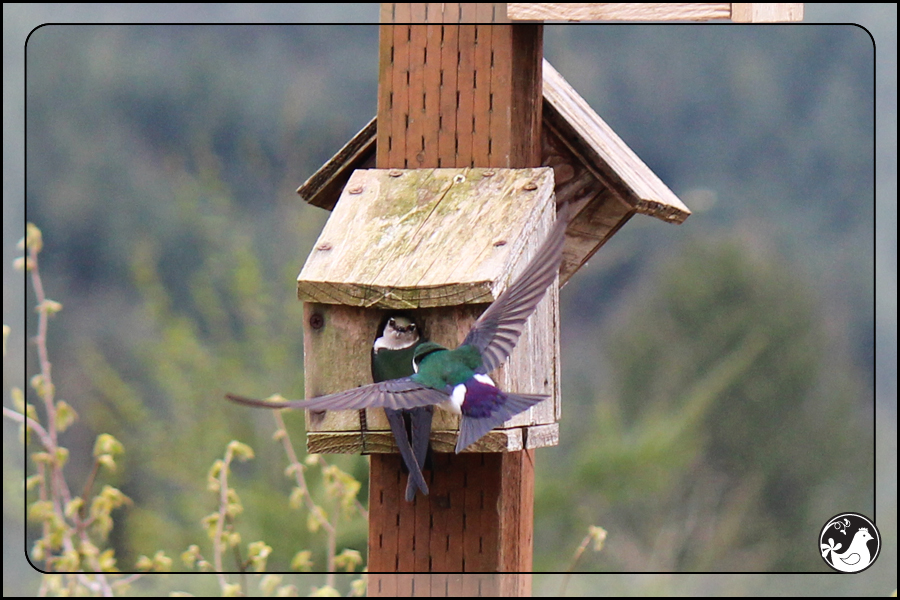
<point>453,94</point>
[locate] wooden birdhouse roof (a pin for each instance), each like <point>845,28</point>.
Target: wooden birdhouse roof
<point>421,238</point>
<point>604,180</point>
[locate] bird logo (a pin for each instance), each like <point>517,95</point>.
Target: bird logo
<point>860,553</point>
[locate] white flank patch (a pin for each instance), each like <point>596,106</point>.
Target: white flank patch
<point>485,379</point>
<point>459,394</point>
<point>457,398</point>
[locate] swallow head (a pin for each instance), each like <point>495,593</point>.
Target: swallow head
<point>399,333</point>
<point>401,328</point>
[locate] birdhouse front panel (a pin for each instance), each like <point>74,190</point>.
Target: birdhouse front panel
<point>441,245</point>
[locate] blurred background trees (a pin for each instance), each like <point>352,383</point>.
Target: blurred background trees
<point>717,376</point>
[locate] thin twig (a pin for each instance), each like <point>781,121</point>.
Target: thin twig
<point>298,470</point>
<point>59,493</point>
<point>220,524</point>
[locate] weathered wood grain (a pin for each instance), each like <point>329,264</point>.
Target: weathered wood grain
<point>642,11</point>
<point>461,526</point>
<point>637,11</point>
<point>614,164</point>
<point>424,238</point>
<point>767,13</point>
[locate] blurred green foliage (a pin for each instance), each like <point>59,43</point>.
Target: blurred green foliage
<point>731,428</point>
<point>717,390</point>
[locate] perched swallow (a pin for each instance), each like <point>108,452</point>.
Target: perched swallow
<point>457,379</point>
<point>392,358</point>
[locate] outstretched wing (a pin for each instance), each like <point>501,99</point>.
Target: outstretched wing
<point>393,393</point>
<point>497,330</point>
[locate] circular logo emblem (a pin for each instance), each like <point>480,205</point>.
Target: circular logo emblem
<point>849,543</point>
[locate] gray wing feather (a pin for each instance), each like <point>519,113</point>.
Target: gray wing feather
<point>398,427</point>
<point>393,393</point>
<point>498,329</point>
<point>420,430</point>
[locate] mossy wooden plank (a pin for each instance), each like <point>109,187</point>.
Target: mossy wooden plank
<point>421,238</point>
<point>540,436</point>
<point>382,442</point>
<point>336,345</point>
<point>329,180</point>
<point>510,439</point>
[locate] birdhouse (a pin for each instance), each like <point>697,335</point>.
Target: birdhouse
<point>441,244</point>
<point>444,243</point>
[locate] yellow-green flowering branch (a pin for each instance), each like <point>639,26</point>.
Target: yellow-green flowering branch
<point>598,535</point>
<point>229,506</point>
<point>301,493</point>
<point>65,544</point>
<point>340,485</point>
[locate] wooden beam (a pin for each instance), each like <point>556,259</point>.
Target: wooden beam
<point>330,180</point>
<point>766,13</point>
<point>640,11</point>
<point>479,516</point>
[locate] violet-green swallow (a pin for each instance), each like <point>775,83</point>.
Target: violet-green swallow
<point>392,358</point>
<point>458,379</point>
